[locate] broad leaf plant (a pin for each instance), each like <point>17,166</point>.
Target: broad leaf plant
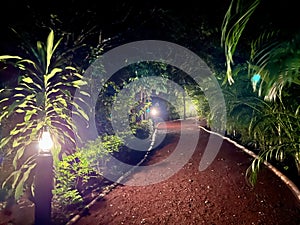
<point>42,98</point>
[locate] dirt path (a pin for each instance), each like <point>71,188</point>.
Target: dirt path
<point>218,195</point>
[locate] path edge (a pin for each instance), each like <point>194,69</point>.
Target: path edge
<point>109,188</point>
<point>290,184</point>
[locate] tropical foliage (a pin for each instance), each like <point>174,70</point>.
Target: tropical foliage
<point>42,98</point>
<point>82,170</point>
<point>234,23</point>
<point>95,151</point>
<point>72,174</point>
<point>139,85</point>
<point>262,106</point>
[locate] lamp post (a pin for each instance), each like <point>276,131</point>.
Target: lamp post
<point>43,181</point>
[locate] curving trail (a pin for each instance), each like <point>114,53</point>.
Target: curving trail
<point>218,195</point>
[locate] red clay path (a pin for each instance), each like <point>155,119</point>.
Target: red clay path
<point>219,195</point>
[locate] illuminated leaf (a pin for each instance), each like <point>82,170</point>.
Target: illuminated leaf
<point>16,143</point>
<point>19,190</point>
<point>79,83</point>
<point>5,57</point>
<point>4,100</point>
<point>14,174</point>
<point>49,45</point>
<point>19,111</point>
<point>4,141</point>
<point>27,80</point>
<point>29,114</point>
<point>85,93</point>
<point>19,95</point>
<point>52,74</point>
<point>70,68</point>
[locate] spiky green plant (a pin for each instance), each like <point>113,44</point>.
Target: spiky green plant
<point>274,110</point>
<point>276,127</point>
<point>234,23</point>
<point>42,98</point>
<point>270,128</point>
<point>278,65</point>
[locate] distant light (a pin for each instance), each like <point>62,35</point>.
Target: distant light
<point>148,110</point>
<point>45,143</point>
<point>192,108</point>
<point>154,112</point>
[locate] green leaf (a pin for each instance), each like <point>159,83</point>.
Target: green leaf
<point>29,114</point>
<point>297,111</point>
<point>82,112</point>
<point>51,74</point>
<point>15,131</point>
<point>78,75</point>
<point>52,91</point>
<point>27,80</point>
<point>78,83</point>
<point>12,175</point>
<point>28,88</point>
<point>4,141</point>
<point>50,41</point>
<point>12,107</point>
<point>16,143</point>
<point>4,113</point>
<point>20,187</point>
<point>18,155</point>
<point>85,93</point>
<point>19,95</point>
<point>41,50</point>
<point>62,101</point>
<point>5,57</point>
<point>70,68</point>
<point>4,100</point>
<point>56,45</point>
<point>27,61</point>
<point>20,111</point>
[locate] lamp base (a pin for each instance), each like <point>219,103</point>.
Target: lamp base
<point>43,186</point>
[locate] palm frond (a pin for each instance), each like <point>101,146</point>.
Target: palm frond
<point>232,33</point>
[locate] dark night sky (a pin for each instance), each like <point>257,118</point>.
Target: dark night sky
<point>113,15</point>
<point>145,19</point>
<point>132,20</point>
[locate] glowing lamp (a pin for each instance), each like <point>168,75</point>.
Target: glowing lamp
<point>154,112</point>
<point>45,142</point>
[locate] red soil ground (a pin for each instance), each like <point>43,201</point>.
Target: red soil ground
<point>219,195</point>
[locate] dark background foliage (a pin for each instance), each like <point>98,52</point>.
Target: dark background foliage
<point>193,24</point>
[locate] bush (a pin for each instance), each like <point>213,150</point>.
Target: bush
<point>71,175</point>
<point>143,130</point>
<point>73,172</point>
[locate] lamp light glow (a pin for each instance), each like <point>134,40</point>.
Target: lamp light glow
<point>45,143</point>
<point>154,112</point>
